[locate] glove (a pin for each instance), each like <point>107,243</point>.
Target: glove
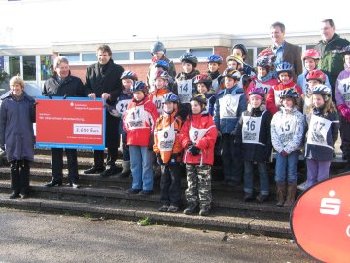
<point>194,150</point>
<point>344,111</point>
<point>173,159</point>
<point>159,159</point>
<point>284,153</point>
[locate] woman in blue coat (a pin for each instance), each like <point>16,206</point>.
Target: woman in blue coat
<point>17,114</point>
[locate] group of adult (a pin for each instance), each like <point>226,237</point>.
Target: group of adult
<point>103,81</point>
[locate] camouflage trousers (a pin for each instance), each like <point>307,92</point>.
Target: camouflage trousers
<point>199,185</point>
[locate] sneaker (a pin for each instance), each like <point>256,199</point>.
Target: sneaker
<point>111,171</point>
<point>173,209</point>
<point>14,196</point>
<point>74,185</point>
<point>190,209</point>
<point>146,192</point>
<point>248,197</point>
<point>54,183</point>
<point>262,198</point>
<point>163,208</point>
<point>94,170</point>
<point>133,191</point>
<point>302,186</point>
<point>204,211</point>
<point>23,196</point>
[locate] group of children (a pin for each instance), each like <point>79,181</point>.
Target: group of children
<point>179,121</point>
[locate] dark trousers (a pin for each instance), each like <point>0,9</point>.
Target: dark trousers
<point>20,176</point>
<point>112,155</point>
<point>126,154</point>
<point>170,185</point>
<point>57,164</point>
<point>344,129</point>
<point>232,164</point>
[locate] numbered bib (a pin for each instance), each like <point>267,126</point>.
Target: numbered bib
<point>318,130</point>
<point>251,129</point>
<point>158,101</point>
<point>285,128</point>
<point>229,105</point>
<point>344,89</point>
<point>136,118</point>
<point>215,84</point>
<point>197,134</point>
<point>265,87</point>
<point>184,90</point>
<point>122,106</point>
<point>166,138</point>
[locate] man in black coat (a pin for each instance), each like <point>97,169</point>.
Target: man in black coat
<point>103,81</point>
<point>62,83</point>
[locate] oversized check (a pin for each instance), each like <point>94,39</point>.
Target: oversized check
<point>73,122</point>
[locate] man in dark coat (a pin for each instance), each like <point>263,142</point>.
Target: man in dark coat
<point>62,83</point>
<point>103,81</point>
<point>285,51</point>
<point>331,61</point>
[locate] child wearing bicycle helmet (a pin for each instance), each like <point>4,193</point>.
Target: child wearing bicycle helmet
<point>198,136</point>
<point>168,151</point>
<point>323,125</point>
<point>161,84</point>
<point>214,63</point>
<point>287,132</point>
<point>139,121</point>
<point>253,138</point>
<point>203,85</point>
<point>185,87</point>
<point>284,71</point>
<point>342,99</point>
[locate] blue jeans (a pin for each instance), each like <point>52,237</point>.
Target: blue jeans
<point>141,168</point>
<point>286,168</point>
<point>249,177</point>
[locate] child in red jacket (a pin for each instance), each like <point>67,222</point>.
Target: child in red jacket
<point>198,136</point>
<point>139,121</point>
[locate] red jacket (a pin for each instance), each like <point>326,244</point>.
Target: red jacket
<point>203,135</point>
<point>272,99</point>
<point>266,85</point>
<point>139,121</point>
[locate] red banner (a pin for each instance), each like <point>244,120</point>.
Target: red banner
<point>70,123</point>
<point>321,220</point>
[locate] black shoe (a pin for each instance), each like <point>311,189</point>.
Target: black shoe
<point>146,192</point>
<point>133,191</point>
<point>125,174</point>
<point>204,211</point>
<point>190,209</point>
<point>14,196</point>
<point>111,171</point>
<point>94,170</point>
<point>248,197</point>
<point>173,209</point>
<point>262,198</point>
<point>163,208</point>
<point>54,183</point>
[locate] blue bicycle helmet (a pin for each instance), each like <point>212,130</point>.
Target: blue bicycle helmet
<point>284,67</point>
<point>215,59</point>
<point>127,74</point>
<point>139,86</point>
<point>289,93</point>
<point>162,64</point>
<point>171,97</point>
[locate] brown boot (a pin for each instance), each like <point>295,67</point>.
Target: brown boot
<point>292,190</point>
<point>280,193</point>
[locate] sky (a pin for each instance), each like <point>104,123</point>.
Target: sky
<point>43,22</point>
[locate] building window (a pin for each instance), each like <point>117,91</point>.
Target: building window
<point>202,52</point>
<point>45,67</point>
<point>175,54</point>
<point>250,57</point>
<point>142,55</point>
<point>29,68</point>
<point>14,65</point>
<point>121,55</point>
<point>72,57</point>
<point>89,57</point>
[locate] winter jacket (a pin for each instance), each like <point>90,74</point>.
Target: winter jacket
<point>331,61</point>
<point>265,84</point>
<point>321,135</point>
<point>216,81</point>
<point>152,69</point>
<point>106,79</point>
<point>211,98</point>
<point>229,105</point>
<point>157,97</point>
<point>199,130</point>
<point>287,130</point>
<point>273,99</point>
<point>253,134</point>
<point>71,86</point>
<point>166,136</point>
<point>121,104</point>
<point>16,126</point>
<point>139,121</point>
<point>342,88</point>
